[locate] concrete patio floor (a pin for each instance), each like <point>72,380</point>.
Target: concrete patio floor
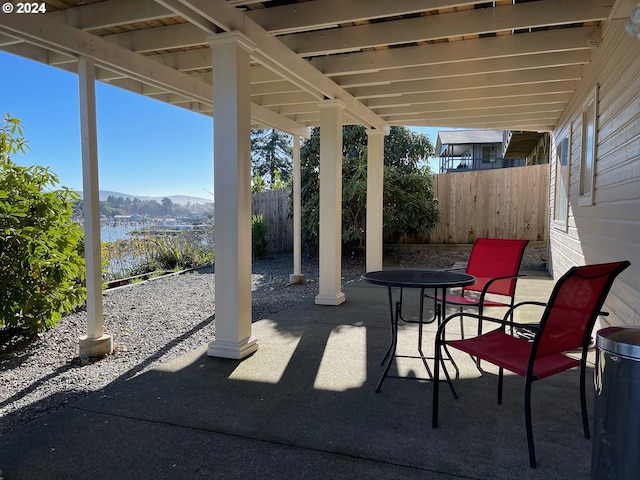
<point>304,407</point>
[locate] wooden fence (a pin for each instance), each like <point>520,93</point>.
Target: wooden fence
<point>502,203</point>
<point>274,206</point>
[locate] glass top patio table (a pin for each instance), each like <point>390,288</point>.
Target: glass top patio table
<point>412,278</point>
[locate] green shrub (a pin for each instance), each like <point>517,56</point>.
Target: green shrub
<point>259,237</point>
<point>41,266</point>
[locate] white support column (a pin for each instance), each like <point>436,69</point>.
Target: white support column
<point>96,342</point>
<point>297,276</point>
<point>330,203</point>
<point>375,181</point>
<point>232,179</point>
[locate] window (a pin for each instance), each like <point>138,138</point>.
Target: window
<point>489,154</point>
<point>561,206</point>
<point>589,142</point>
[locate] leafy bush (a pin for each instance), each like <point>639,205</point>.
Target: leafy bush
<point>259,237</point>
<point>41,266</point>
<point>410,211</point>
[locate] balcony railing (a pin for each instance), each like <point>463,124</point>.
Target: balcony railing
<point>448,165</point>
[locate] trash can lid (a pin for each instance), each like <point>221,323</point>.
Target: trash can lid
<point>620,341</point>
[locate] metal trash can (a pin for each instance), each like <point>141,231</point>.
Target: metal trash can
<point>616,440</point>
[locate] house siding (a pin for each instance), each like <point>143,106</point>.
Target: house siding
<point>609,229</point>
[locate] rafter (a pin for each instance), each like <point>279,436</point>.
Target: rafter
<point>489,93</point>
<point>560,40</point>
<point>472,67</point>
<point>156,39</point>
<point>502,79</point>
<point>272,54</point>
<point>327,13</point>
<point>458,24</point>
<point>476,104</point>
<point>111,13</point>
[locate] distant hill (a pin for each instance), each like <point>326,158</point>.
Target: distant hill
<point>177,199</point>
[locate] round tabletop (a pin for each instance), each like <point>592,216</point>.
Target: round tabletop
<point>419,278</point>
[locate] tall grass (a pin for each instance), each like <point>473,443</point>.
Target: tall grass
<point>149,253</point>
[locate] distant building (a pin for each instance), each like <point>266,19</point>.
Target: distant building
<point>464,150</point>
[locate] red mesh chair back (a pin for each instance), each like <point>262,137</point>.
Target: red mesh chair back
<point>492,258</point>
<point>574,306</point>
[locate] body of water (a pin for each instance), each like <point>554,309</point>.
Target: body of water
<point>111,234</point>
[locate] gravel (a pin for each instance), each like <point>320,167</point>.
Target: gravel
<point>153,322</point>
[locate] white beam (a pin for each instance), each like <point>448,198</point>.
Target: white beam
<point>503,79</point>
<point>465,50</point>
<point>111,13</point>
<point>458,24</point>
<point>471,67</point>
<point>548,118</point>
<point>200,59</point>
<point>476,94</point>
<point>279,122</point>
<point>272,54</point>
<point>160,38</point>
<point>8,40</point>
<point>477,104</point>
<point>274,88</point>
<point>327,13</point>
<point>284,99</point>
<point>541,111</point>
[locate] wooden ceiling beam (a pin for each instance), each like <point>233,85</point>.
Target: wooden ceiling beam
<point>472,67</point>
<point>480,21</point>
<point>111,13</point>
<point>561,40</point>
<point>319,14</point>
<point>475,94</point>
<point>477,104</point>
<point>502,79</point>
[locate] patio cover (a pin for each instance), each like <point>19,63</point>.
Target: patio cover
<point>287,64</point>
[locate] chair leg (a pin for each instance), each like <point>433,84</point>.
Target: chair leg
<point>527,419</point>
<point>500,383</point>
<point>436,385</point>
<point>583,396</point>
<point>478,366</point>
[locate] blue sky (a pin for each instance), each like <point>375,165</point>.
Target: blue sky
<point>145,147</point>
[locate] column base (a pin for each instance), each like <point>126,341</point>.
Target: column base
<point>330,299</point>
<point>235,350</point>
<point>296,278</point>
<point>96,347</point>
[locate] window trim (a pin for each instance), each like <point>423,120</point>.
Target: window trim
<point>563,151</point>
<point>589,149</point>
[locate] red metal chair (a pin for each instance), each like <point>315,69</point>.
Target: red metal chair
<point>566,324</point>
<point>495,262</point>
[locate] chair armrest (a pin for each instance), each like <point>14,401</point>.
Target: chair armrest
<point>504,322</point>
<point>495,279</point>
<point>443,325</point>
<point>520,304</point>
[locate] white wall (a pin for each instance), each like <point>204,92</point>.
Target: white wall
<point>609,229</point>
